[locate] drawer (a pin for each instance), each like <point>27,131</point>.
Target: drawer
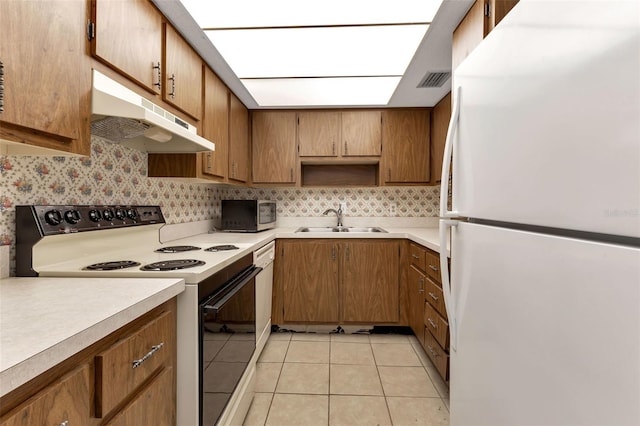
<point>435,353</point>
<point>433,266</point>
<point>437,325</point>
<point>67,400</point>
<point>435,297</point>
<point>155,404</point>
<point>418,256</point>
<point>131,361</point>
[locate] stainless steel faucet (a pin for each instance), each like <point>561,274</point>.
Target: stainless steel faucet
<point>338,214</point>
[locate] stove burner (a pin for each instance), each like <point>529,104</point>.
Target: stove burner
<point>177,249</point>
<point>222,248</point>
<point>110,266</point>
<point>172,265</point>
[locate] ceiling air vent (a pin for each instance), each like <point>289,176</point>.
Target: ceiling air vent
<point>434,79</point>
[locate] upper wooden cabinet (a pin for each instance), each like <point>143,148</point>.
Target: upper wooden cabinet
<point>405,135</point>
<point>215,125</point>
<point>483,16</point>
<point>47,77</point>
<point>239,149</point>
<point>128,38</point>
<point>274,157</point>
<point>361,133</point>
<point>182,74</point>
<point>440,117</point>
<point>319,134</point>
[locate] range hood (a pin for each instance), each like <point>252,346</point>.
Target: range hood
<point>124,117</point>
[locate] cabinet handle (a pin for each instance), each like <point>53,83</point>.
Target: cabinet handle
<point>291,173</point>
<point>434,353</point>
<point>433,268</point>
<point>173,86</point>
<point>65,423</point>
<point>333,148</point>
<point>233,169</point>
<point>415,256</point>
<point>345,148</point>
<point>333,253</point>
<point>1,87</point>
<point>346,252</point>
<point>136,363</point>
<point>389,175</point>
<point>433,296</point>
<point>159,83</point>
<point>433,324</point>
<point>421,285</point>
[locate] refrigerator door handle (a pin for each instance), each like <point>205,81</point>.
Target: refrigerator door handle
<point>449,299</point>
<point>447,157</point>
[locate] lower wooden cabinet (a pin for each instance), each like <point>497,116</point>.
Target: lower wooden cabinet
<point>336,281</point>
<point>427,311</point>
<point>123,379</point>
<point>66,402</point>
<point>153,404</point>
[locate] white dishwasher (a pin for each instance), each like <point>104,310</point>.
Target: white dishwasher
<point>263,258</point>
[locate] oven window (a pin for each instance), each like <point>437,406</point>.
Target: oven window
<point>228,342</point>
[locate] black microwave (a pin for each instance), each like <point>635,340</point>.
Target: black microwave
<point>248,215</point>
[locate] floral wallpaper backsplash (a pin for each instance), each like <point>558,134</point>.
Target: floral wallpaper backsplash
<point>114,174</point>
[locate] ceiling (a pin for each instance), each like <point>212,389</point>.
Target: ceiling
<point>433,55</point>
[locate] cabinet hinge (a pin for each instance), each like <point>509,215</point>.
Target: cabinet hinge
<point>487,9</point>
<point>91,30</point>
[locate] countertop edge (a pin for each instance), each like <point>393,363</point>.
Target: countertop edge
<point>20,373</point>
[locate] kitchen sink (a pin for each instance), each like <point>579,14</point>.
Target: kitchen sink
<point>339,229</point>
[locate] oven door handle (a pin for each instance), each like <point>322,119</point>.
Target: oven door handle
<point>236,286</point>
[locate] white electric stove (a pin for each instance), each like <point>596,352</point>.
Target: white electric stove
<point>123,242</point>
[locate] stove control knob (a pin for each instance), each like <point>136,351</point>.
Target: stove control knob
<point>121,214</point>
<point>72,216</point>
<point>107,214</point>
<point>53,217</point>
<point>95,215</point>
<point>132,214</point>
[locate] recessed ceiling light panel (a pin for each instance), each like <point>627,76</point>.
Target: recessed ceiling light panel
<point>300,92</point>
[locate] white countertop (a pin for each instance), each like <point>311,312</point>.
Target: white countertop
<point>44,321</point>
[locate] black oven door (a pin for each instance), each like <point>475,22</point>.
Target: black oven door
<point>227,342</point>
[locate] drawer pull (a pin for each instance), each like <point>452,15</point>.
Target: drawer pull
<point>433,324</point>
<point>433,296</point>
<point>434,353</point>
<point>421,286</point>
<point>65,423</point>
<point>415,256</point>
<point>433,268</point>
<point>153,350</point>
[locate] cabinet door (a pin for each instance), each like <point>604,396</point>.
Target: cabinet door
<point>183,74</point>
<point>274,147</point>
<point>416,289</point>
<point>361,133</point>
<point>406,146</point>
<point>440,117</point>
<point>239,152</point>
<point>318,133</point>
<point>215,124</point>
<point>483,16</point>
<point>67,400</point>
<point>310,281</point>
<point>370,285</point>
<point>154,405</point>
<point>47,79</point>
<point>128,38</point>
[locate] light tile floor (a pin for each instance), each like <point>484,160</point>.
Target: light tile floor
<point>306,379</point>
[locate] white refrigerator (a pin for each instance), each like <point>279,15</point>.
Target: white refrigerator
<point>542,214</point>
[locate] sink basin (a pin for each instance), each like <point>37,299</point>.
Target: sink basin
<point>339,229</point>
